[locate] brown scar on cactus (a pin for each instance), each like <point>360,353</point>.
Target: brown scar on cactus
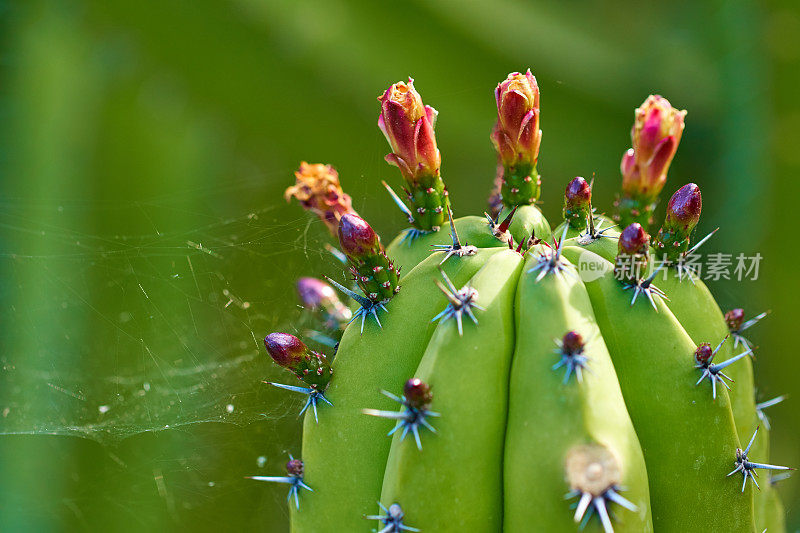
<point>461,302</point>
<point>573,359</point>
<point>631,263</point>
<point>416,399</point>
<point>307,365</point>
<point>456,249</point>
<point>295,470</point>
<point>594,476</point>
<point>391,519</point>
<point>749,468</point>
<point>737,325</point>
<point>704,357</point>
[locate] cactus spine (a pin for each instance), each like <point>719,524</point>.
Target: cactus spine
<point>519,383</point>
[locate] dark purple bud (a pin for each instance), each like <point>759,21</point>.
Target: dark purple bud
<point>295,468</point>
<point>417,393</point>
<point>684,207</point>
<point>572,342</point>
<point>357,238</point>
<point>703,354</point>
<point>286,350</point>
<point>734,319</point>
<point>578,193</point>
<point>633,240</point>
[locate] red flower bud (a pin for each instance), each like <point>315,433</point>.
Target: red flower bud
<point>703,354</point>
<point>516,134</point>
<point>734,318</point>
<point>318,190</point>
<point>357,238</point>
<point>633,240</point>
<point>408,126</point>
<point>417,393</point>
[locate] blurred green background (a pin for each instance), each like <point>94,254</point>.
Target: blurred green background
<point>145,246</point>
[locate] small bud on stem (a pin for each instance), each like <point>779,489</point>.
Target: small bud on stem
<point>318,190</point>
<point>633,254</point>
<point>517,137</point>
<point>683,213</point>
<point>408,126</point>
<point>373,271</point>
<point>734,319</point>
<point>292,354</point>
<point>577,202</point>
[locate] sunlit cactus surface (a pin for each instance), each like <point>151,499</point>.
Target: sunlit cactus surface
<point>502,373</point>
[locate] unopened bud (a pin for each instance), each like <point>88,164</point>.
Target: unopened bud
<point>577,202</point>
<point>417,393</point>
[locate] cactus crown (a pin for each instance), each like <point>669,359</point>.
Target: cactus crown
<point>578,380</point>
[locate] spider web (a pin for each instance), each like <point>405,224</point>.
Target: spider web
<point>110,335</point>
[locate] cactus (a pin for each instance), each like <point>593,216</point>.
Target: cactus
<point>492,386</point>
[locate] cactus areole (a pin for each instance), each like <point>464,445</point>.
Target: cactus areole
<point>488,383</point>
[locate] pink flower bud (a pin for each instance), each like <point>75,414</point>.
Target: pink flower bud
<point>357,238</point>
<point>656,132</point>
<point>516,134</point>
<point>314,292</point>
<point>318,190</point>
<point>408,126</point>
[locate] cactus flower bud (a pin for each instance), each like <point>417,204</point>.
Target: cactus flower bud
<point>734,319</point>
<point>516,137</point>
<point>577,202</point>
<point>292,354</point>
<point>357,238</point>
<point>408,126</point>
<point>656,133</point>
<point>373,271</point>
<point>295,467</point>
<point>318,190</point>
<point>683,213</point>
<point>319,296</point>
<point>633,253</point>
<point>417,393</point>
<point>703,354</point>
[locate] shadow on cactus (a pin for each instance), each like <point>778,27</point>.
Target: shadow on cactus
<point>576,384</point>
